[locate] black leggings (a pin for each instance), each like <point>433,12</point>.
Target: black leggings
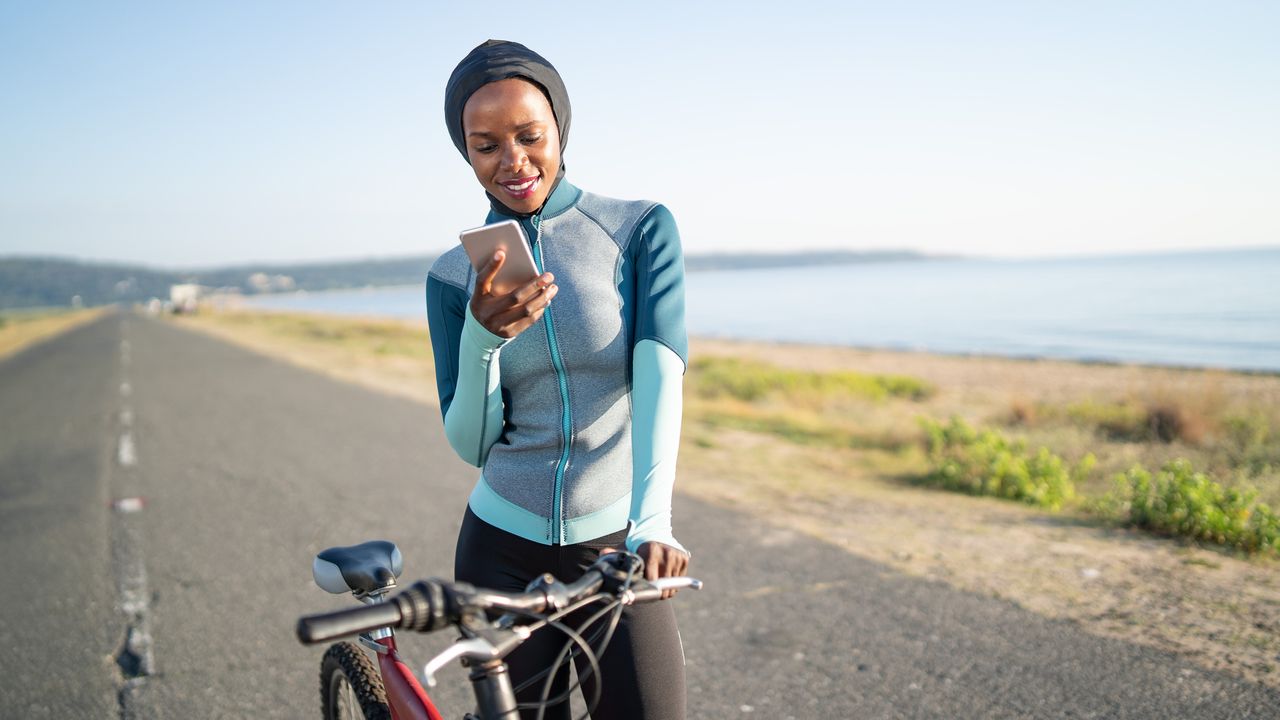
<point>643,667</point>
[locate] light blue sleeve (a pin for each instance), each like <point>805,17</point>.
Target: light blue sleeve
<point>473,420</point>
<point>656,404</point>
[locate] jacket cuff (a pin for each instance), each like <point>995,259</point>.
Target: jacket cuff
<point>480,335</point>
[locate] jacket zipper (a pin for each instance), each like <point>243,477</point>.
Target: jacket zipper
<point>566,420</point>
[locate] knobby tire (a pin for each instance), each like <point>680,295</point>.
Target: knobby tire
<point>346,662</point>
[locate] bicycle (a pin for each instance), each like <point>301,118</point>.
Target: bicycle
<point>350,684</point>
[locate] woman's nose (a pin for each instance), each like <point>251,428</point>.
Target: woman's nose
<point>514,157</point>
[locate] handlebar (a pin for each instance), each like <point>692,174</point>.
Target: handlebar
<point>434,604</point>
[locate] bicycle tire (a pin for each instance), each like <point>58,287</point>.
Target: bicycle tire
<point>346,675</point>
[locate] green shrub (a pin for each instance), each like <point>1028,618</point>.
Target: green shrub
<point>752,380</point>
<point>985,462</point>
<point>1182,502</point>
<point>1250,444</point>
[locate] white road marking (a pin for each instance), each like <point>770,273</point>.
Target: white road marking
<point>127,454</point>
<point>136,657</point>
<point>129,505</point>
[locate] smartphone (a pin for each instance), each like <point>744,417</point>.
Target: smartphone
<point>482,242</point>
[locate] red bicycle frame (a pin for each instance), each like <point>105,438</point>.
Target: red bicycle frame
<point>405,696</point>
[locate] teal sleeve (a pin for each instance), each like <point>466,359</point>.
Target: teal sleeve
<point>446,314</point>
<point>658,313</point>
<point>656,402</point>
<point>473,412</point>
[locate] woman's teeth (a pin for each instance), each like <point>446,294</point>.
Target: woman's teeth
<point>521,187</point>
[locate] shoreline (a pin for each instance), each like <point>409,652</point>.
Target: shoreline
<point>713,339</point>
<point>1088,362</point>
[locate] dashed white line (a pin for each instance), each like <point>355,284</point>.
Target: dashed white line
<point>126,418</point>
<point>127,455</point>
<point>126,389</point>
<point>136,657</point>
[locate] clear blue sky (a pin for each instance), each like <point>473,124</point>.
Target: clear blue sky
<point>195,134</point>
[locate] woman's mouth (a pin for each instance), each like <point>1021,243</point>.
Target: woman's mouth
<point>521,188</point>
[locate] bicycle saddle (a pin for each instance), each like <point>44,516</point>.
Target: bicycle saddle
<point>361,568</point>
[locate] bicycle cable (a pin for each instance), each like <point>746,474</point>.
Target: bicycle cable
<point>570,652</point>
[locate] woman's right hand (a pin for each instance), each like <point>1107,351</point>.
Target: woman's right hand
<point>510,314</point>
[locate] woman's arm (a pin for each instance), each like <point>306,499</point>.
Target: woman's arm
<point>468,376</point>
<point>656,404</point>
<point>466,337</point>
<point>659,357</point>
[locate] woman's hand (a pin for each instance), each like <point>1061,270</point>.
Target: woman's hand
<point>511,314</point>
<point>660,560</point>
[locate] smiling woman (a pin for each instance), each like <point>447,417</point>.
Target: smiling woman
<point>513,143</point>
<point>572,409</point>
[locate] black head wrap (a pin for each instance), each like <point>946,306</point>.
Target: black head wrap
<point>496,60</point>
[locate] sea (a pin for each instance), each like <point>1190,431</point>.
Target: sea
<point>1192,309</point>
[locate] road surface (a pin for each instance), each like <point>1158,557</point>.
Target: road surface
<point>182,604</point>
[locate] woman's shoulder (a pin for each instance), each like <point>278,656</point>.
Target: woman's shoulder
<point>453,268</point>
<point>621,218</point>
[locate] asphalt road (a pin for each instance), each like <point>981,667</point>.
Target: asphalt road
<point>246,467</point>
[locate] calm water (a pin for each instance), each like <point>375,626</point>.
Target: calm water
<point>1217,309</point>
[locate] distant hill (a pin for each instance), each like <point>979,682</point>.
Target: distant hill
<point>751,261</point>
<point>51,282</point>
<point>38,282</point>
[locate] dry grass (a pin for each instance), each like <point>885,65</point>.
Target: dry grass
<point>24,328</point>
<point>839,467</point>
<point>388,355</point>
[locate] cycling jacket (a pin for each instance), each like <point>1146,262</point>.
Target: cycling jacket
<point>576,421</point>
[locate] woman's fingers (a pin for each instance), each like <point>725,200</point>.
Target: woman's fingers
<point>663,561</point>
<point>516,318</point>
<point>533,287</point>
<point>510,314</point>
<point>484,278</point>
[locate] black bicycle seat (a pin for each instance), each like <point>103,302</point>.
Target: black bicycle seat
<point>361,568</point>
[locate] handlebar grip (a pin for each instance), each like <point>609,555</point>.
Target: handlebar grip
<point>318,628</point>
<point>645,595</point>
<point>652,590</point>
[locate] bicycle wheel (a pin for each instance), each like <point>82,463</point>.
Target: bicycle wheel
<point>350,687</point>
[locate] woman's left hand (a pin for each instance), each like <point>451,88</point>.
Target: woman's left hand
<point>663,561</point>
<point>660,560</point>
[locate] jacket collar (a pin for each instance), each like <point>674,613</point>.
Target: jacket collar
<point>563,196</point>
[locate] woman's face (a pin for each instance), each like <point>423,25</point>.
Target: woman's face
<point>513,142</point>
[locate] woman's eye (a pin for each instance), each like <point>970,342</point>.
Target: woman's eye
<point>530,139</point>
<point>486,149</point>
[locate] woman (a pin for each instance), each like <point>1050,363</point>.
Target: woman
<point>566,391</point>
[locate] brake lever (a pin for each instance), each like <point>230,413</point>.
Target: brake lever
<point>475,649</point>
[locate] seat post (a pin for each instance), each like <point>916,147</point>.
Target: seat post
<point>374,598</point>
